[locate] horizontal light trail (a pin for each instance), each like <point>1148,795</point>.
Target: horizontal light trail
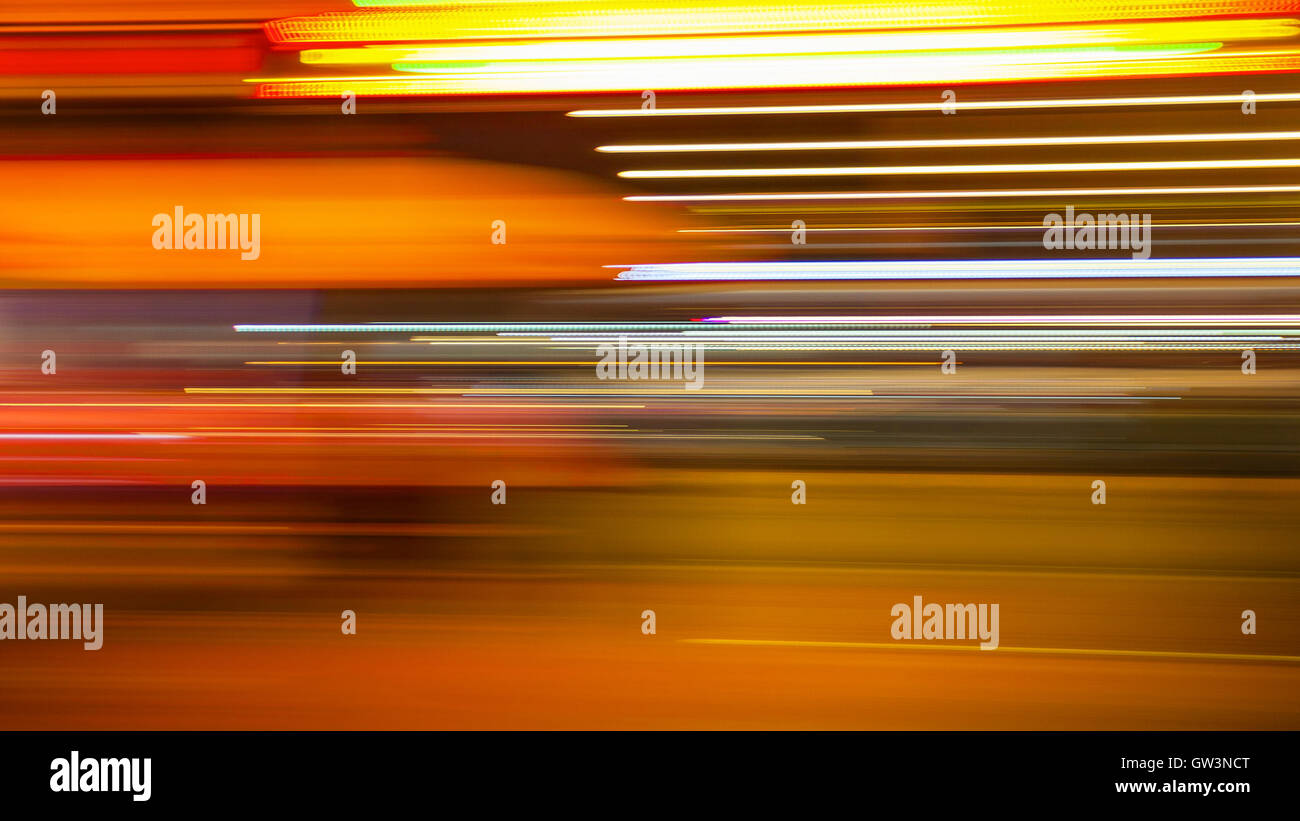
<point>287,528</point>
<point>902,333</point>
<point>708,394</point>
<point>968,269</point>
<point>1027,226</point>
<point>1031,346</point>
<point>621,435</point>
<point>931,343</point>
<point>542,392</point>
<point>454,327</point>
<point>967,194</point>
<point>586,363</point>
<point>420,426</point>
<point>1012,345</point>
<point>527,332</point>
<point>939,105</point>
<point>563,52</point>
<point>424,406</point>
<point>785,71</point>
<point>1051,651</point>
<point>440,57</point>
<point>985,168</point>
<point>90,437</point>
<point>483,392</point>
<point>804,333</point>
<point>969,142</point>
<point>639,18</point>
<point>425,428</point>
<point>1018,319</point>
<point>323,390</point>
<point>1026,340</point>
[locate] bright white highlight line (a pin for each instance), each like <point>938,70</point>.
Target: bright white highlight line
<point>91,437</point>
<point>972,142</point>
<point>1028,226</point>
<point>723,334</point>
<point>964,269</point>
<point>974,105</point>
<point>929,43</point>
<point>970,194</point>
<point>1020,319</point>
<point>988,168</point>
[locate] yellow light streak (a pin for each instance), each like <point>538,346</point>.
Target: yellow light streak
<point>1056,651</point>
<point>930,42</point>
<point>938,105</point>
<point>972,142</point>
<point>989,168</point>
<point>583,362</point>
<point>965,194</point>
<point>788,71</point>
<point>639,18</point>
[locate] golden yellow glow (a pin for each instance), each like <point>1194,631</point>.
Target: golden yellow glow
<point>789,71</point>
<point>968,142</point>
<point>929,42</point>
<point>988,168</point>
<point>594,18</point>
<point>937,105</point>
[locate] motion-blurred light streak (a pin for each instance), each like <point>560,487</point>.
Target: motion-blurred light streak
<point>959,142</point>
<point>537,48</point>
<point>955,105</point>
<point>946,408</point>
<point>552,18</point>
<point>964,269</point>
<point>795,71</point>
<point>945,170</point>
<point>985,193</point>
